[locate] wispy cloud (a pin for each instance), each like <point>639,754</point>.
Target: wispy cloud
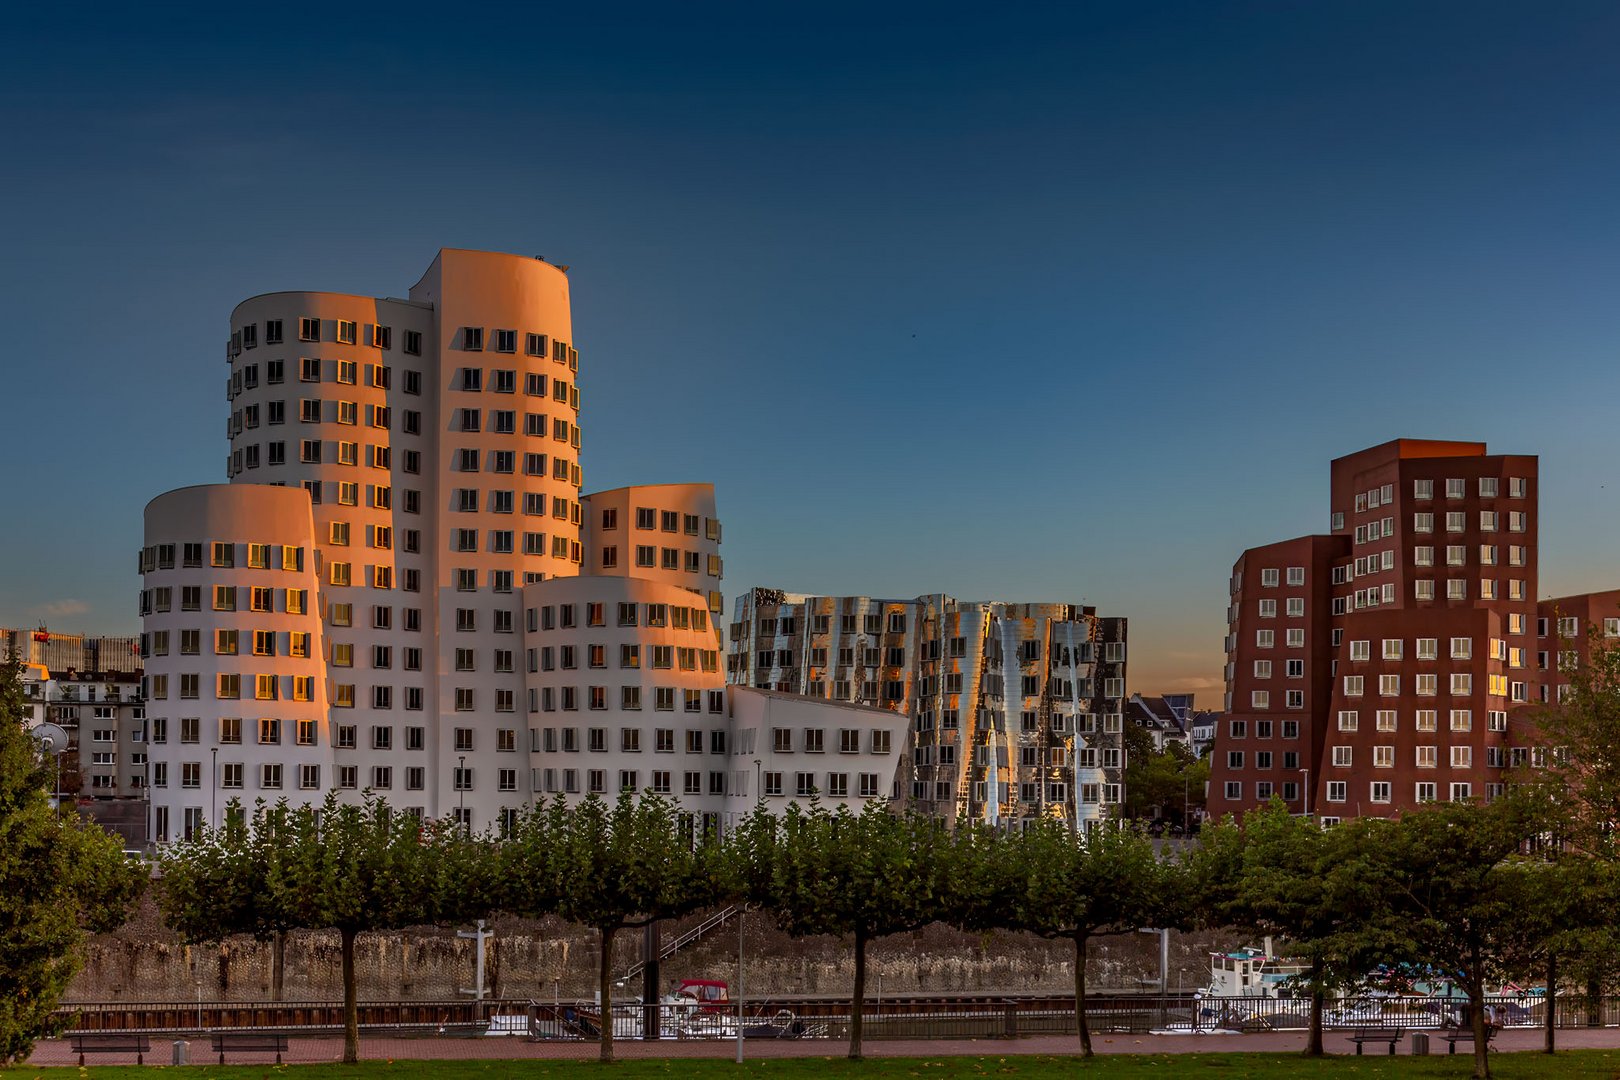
<point>1192,682</point>
<point>62,608</point>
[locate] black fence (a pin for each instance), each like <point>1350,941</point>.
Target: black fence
<point>969,1017</point>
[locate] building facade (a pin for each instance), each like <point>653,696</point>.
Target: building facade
<point>1014,711</point>
<point>1373,669</point>
<point>60,652</point>
<point>402,588</point>
<point>103,766</point>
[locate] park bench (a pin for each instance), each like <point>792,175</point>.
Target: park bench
<point>139,1045</point>
<point>1377,1035</point>
<point>1457,1035</point>
<point>264,1042</point>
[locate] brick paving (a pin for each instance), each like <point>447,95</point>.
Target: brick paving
<point>326,1048</point>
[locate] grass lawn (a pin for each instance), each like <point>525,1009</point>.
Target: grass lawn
<point>1573,1065</point>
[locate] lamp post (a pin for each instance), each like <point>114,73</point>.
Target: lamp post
<point>742,912</point>
<point>1306,791</point>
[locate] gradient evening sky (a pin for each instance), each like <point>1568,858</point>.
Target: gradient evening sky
<point>1069,302</point>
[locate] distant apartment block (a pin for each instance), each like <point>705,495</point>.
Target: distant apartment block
<point>403,589</point>
<point>1013,711</point>
<point>103,765</point>
<point>1167,718</point>
<point>60,652</point>
<point>1374,668</point>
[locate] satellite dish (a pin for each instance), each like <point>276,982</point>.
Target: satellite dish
<point>51,738</point>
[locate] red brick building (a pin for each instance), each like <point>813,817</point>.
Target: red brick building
<point>1373,668</point>
<point>1567,629</point>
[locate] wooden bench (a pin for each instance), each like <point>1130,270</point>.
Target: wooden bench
<point>139,1045</point>
<point>263,1042</point>
<point>1378,1035</point>
<point>1457,1035</point>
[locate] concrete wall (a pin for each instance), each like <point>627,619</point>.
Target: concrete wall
<point>548,958</point>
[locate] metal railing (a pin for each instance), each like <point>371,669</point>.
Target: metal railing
<point>969,1016</point>
<point>676,944</point>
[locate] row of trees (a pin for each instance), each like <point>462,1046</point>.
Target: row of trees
<point>1473,892</point>
<point>615,866</point>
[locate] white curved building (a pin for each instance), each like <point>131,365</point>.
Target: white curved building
<point>235,680</point>
<point>424,456</point>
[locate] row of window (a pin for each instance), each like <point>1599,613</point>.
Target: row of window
<point>333,411</point>
<point>1263,759</point>
<point>504,422</point>
<point>343,331</point>
<point>1423,719</point>
<point>224,598</point>
<point>471,339</point>
<point>1425,757</point>
<point>1461,684</point>
<point>223,555</point>
<point>662,782</point>
<point>1378,791</point>
<point>659,657</point>
<point>1422,589</point>
<point>650,518</point>
<point>567,616</point>
<point>664,699</point>
<point>378,336</point>
<point>1030,794</point>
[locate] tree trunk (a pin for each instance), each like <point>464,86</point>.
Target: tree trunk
<point>1080,1023</point>
<point>606,991</point>
<point>351,1004</point>
<point>1594,1002</point>
<point>278,965</point>
<point>1476,996</point>
<point>1313,1042</point>
<point>858,998</point>
<point>1551,998</point>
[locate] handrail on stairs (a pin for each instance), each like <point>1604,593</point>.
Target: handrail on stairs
<point>675,945</point>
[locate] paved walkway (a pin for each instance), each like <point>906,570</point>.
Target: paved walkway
<point>321,1048</point>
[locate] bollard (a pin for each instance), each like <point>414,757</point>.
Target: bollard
<point>1420,1042</point>
<point>181,1051</point>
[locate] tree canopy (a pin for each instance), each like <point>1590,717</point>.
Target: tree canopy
<point>625,865</point>
<point>1058,883</point>
<point>864,876</point>
<point>349,867</point>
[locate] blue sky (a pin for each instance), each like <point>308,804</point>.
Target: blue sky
<point>1067,302</point>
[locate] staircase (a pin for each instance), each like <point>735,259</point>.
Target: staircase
<point>697,933</point>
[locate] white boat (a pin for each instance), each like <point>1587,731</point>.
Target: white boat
<point>1251,972</point>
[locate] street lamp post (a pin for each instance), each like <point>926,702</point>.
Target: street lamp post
<point>742,912</point>
<point>1306,791</point>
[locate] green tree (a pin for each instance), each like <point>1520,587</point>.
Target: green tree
<point>624,866</point>
<point>1318,890</point>
<point>1457,893</point>
<point>1573,766</point>
<point>1171,780</point>
<point>344,867</point>
<point>61,876</point>
<point>866,876</point>
<point>1565,900</point>
<point>1580,738</point>
<point>1059,883</point>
